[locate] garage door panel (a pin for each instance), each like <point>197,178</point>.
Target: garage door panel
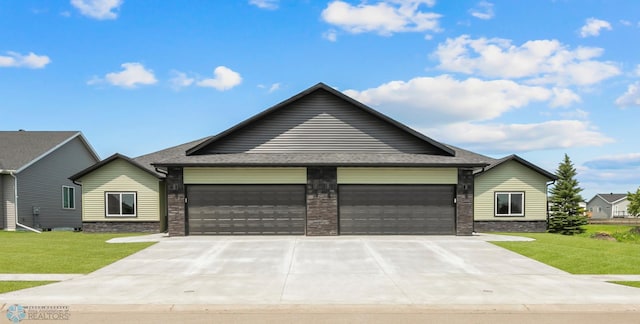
<point>246,209</point>
<point>397,209</point>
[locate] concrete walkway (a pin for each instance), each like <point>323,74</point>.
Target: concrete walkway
<point>344,270</point>
<point>38,276</point>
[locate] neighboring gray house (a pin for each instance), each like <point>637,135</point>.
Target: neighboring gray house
<point>610,205</point>
<point>35,190</point>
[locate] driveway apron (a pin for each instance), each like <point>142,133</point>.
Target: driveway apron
<point>349,270</point>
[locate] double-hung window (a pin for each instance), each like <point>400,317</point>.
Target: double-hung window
<point>120,204</point>
<point>68,197</point>
<point>509,203</point>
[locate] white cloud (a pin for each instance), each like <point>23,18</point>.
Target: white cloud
<point>272,88</point>
<point>593,26</point>
<point>180,80</point>
<point>539,61</point>
<point>330,35</point>
<point>460,112</point>
<point>484,10</point>
<point>224,79</point>
<point>132,75</point>
<point>31,60</point>
<point>637,70</point>
<point>626,23</point>
<point>265,4</point>
<point>563,97</point>
<point>631,97</point>
<point>500,138</point>
<point>384,17</point>
<point>444,99</point>
<point>98,9</point>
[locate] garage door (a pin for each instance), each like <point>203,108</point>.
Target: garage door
<point>397,209</point>
<point>246,209</point>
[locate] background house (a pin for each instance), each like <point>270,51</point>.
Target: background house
<point>34,187</point>
<point>319,163</point>
<point>611,205</point>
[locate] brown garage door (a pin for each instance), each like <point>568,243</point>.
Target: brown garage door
<point>397,209</point>
<point>246,209</point>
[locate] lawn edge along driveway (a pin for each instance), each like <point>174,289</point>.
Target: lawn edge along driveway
<point>62,252</point>
<point>578,255</point>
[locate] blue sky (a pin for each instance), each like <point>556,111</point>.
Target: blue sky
<point>538,79</point>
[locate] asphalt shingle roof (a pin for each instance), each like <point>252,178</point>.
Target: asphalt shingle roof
<point>464,158</point>
<point>19,148</point>
<point>167,154</point>
<point>611,197</point>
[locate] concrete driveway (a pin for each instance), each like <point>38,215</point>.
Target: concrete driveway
<point>394,270</point>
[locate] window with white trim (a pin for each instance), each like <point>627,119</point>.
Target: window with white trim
<point>120,204</point>
<point>68,197</point>
<point>509,203</point>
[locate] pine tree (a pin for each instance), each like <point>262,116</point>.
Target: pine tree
<point>567,217</point>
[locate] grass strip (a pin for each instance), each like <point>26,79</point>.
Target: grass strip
<point>635,284</point>
<point>579,254</point>
<point>7,286</point>
<point>61,252</point>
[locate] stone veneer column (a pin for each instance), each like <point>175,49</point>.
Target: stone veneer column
<point>464,205</point>
<point>322,201</point>
<point>175,202</point>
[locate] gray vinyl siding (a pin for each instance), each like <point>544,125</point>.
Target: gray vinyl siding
<point>320,122</point>
<point>40,185</point>
<point>620,209</point>
<point>599,208</point>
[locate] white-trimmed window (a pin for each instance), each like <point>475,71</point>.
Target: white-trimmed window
<point>120,204</point>
<point>68,197</point>
<point>509,203</point>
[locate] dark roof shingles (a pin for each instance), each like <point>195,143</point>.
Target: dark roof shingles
<point>19,148</point>
<point>611,197</point>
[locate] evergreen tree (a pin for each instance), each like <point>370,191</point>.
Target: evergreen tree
<point>634,202</point>
<point>566,217</point>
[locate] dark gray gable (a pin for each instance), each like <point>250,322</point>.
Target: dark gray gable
<point>321,120</point>
<point>20,148</point>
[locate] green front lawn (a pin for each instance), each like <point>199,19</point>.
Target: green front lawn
<point>635,284</point>
<point>579,254</point>
<point>7,286</point>
<point>61,252</point>
<point>622,233</point>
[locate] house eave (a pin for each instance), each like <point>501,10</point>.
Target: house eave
<point>380,165</point>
